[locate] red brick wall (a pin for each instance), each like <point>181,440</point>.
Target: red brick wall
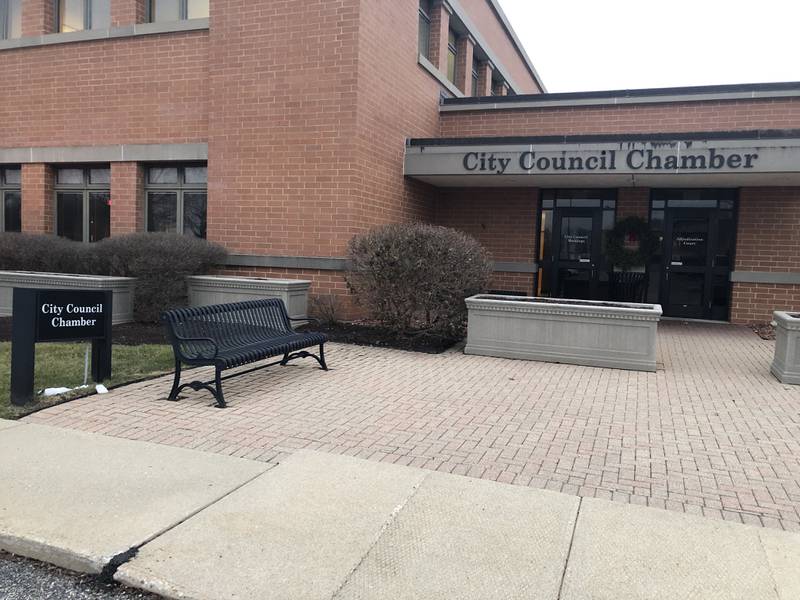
<point>38,17</point>
<point>768,239</point>
<point>755,302</point>
<point>633,202</point>
<point>127,198</point>
<point>127,12</point>
<point>492,30</point>
<point>282,174</point>
<point>146,89</point>
<point>639,118</point>
<point>37,198</point>
<point>502,219</point>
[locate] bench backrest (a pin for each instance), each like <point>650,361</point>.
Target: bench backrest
<point>235,320</point>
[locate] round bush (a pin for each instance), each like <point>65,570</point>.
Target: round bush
<point>413,278</point>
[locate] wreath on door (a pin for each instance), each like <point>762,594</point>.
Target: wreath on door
<point>632,243</point>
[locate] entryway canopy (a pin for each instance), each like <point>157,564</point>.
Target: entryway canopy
<point>716,159</point>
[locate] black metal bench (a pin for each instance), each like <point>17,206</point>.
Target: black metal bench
<point>232,335</point>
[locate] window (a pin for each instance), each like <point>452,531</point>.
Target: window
<point>177,198</point>
<point>452,55</point>
<point>77,15</point>
<point>425,28</point>
<point>83,203</point>
<point>476,67</point>
<point>177,10</point>
<point>10,19</point>
<point>11,197</point>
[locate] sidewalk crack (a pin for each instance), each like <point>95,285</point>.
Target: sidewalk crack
<point>391,519</point>
<point>569,550</point>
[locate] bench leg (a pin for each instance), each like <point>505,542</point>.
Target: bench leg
<point>218,395</point>
<point>321,358</point>
<point>173,394</point>
<point>285,359</point>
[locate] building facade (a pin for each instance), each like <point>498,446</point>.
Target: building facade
<point>282,128</point>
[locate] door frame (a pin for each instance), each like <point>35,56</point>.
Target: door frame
<point>721,194</point>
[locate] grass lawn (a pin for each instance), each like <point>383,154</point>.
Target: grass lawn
<point>61,365</point>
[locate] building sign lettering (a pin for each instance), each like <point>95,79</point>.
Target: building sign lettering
<point>611,160</point>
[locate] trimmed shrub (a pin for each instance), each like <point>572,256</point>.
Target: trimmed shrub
<point>413,278</point>
<point>43,253</point>
<point>159,261</point>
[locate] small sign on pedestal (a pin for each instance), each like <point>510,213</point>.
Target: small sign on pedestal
<point>57,316</point>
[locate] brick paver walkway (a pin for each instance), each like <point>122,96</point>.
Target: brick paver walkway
<point>710,433</point>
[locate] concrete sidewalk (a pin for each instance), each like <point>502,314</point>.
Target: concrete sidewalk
<point>188,524</point>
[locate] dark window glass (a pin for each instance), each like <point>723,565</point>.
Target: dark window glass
<point>576,239</point>
<point>162,211</point>
<point>194,214</point>
<point>69,177</point>
<point>196,175</point>
<point>197,9</point>
<point>162,175</point>
<point>83,203</point>
<point>69,209</point>
<point>689,242</point>
<point>13,176</point>
<point>12,207</point>
<point>165,10</point>
<point>424,29</point>
<point>99,216</point>
<point>475,71</point>
<point>452,56</point>
<point>177,199</point>
<point>99,176</point>
<point>71,15</point>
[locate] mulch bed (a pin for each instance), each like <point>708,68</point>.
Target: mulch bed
<point>765,331</point>
<point>368,334</point>
<point>362,334</point>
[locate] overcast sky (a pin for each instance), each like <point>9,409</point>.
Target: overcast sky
<point>582,45</point>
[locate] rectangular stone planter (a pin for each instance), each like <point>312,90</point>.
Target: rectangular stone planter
<point>205,290</point>
<point>122,287</point>
<point>786,364</point>
<point>617,335</point>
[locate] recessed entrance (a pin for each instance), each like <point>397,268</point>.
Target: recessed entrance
<point>699,238</point>
<point>573,228</point>
<point>690,275</point>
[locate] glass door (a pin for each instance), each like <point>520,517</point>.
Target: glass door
<point>576,252</point>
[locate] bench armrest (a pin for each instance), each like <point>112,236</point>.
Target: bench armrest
<point>195,348</point>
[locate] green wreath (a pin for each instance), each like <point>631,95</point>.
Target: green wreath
<point>625,257</point>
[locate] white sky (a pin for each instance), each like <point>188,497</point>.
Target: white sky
<point>583,45</point>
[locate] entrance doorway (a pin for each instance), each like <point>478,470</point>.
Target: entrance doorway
<point>699,239</point>
<point>572,237</point>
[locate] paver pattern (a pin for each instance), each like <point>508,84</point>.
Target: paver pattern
<point>711,433</point>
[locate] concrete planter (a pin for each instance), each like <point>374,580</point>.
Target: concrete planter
<point>786,364</point>
<point>122,287</point>
<point>582,332</point>
<point>219,289</point>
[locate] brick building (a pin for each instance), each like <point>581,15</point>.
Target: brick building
<point>281,128</point>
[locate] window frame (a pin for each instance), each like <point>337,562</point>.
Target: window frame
<point>87,16</point>
<point>86,188</point>
<point>179,189</point>
<point>5,20</point>
<point>476,76</point>
<point>452,51</point>
<point>426,18</point>
<point>183,12</point>
<point>5,188</point>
